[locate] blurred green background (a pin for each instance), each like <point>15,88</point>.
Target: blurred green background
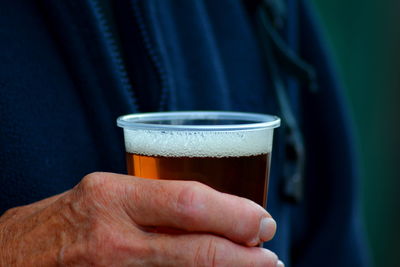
<point>365,39</point>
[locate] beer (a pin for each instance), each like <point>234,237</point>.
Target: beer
<point>231,162</point>
<point>245,176</point>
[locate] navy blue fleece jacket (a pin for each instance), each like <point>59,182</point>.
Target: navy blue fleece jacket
<point>68,69</point>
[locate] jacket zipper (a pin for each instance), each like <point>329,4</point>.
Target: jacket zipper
<point>154,56</point>
<point>114,53</point>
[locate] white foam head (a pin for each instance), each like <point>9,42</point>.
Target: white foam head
<point>198,143</point>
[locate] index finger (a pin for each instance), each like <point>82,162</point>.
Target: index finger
<point>193,206</point>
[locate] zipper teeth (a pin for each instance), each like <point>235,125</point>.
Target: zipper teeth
<point>153,55</point>
<point>115,54</point>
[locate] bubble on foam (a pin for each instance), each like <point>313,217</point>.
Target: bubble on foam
<point>198,143</point>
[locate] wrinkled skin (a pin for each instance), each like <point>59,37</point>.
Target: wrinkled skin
<point>117,220</point>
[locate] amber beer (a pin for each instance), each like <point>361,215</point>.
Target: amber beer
<point>245,176</point>
<point>233,158</point>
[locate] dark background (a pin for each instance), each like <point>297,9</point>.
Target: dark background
<point>365,39</point>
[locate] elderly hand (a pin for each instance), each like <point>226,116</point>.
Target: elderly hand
<point>116,220</point>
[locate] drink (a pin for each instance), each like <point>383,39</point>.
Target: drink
<point>230,152</point>
<point>242,176</point>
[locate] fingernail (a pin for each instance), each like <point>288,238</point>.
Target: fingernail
<point>267,229</point>
<point>280,264</point>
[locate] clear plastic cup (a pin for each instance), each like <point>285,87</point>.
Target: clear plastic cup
<point>229,151</point>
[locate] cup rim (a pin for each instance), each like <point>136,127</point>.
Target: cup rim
<point>256,121</point>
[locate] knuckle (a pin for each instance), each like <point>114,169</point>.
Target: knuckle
<point>190,201</point>
<point>93,180</point>
<point>208,254</point>
<point>109,242</point>
<point>99,191</point>
<point>10,213</point>
<point>90,250</point>
<point>100,240</point>
<point>101,232</point>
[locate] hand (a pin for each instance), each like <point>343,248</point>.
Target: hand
<point>111,220</point>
